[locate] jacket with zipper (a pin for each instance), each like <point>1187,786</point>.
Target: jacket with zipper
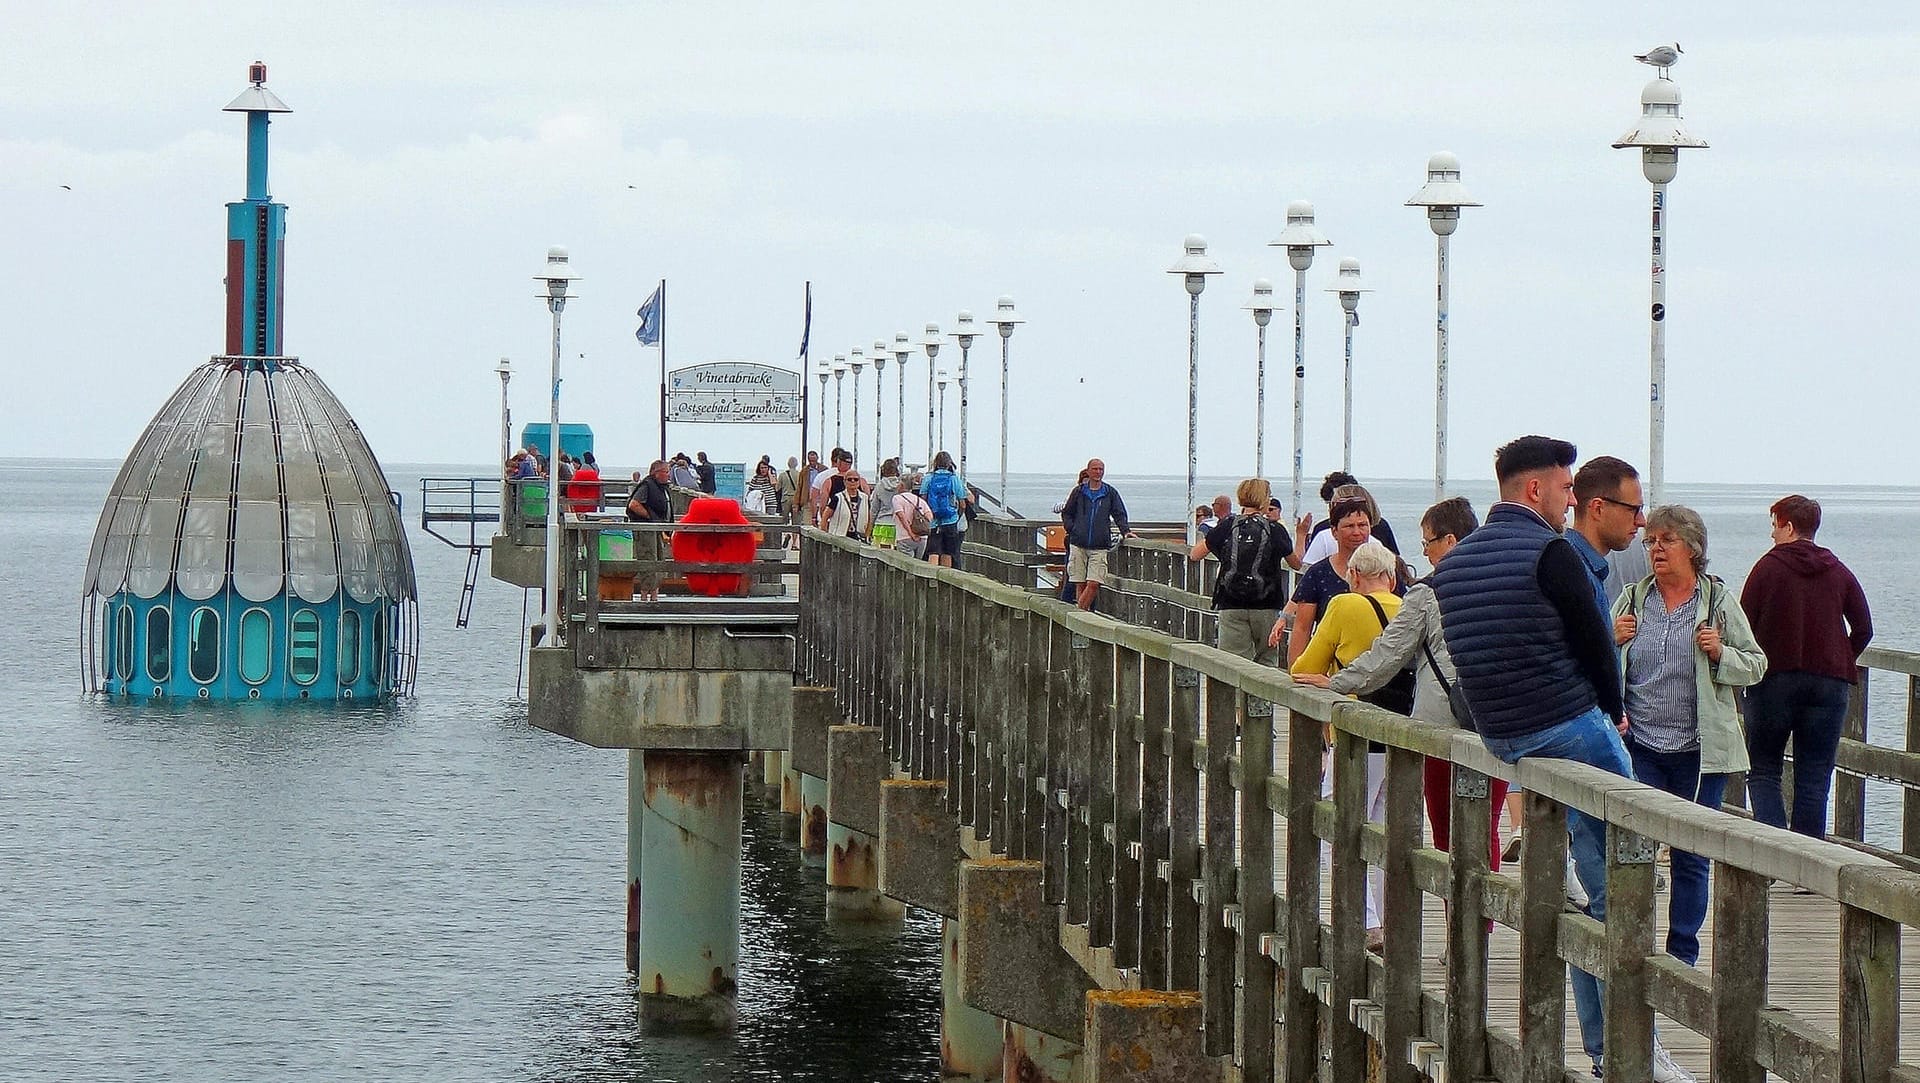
<point>1723,743</point>
<point>1090,518</point>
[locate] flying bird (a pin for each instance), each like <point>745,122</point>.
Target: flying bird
<point>68,187</point>
<point>1661,56</point>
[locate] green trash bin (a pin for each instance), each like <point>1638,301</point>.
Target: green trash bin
<point>533,501</point>
<point>616,545</point>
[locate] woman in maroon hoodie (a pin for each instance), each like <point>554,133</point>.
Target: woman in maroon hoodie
<point>1810,617</point>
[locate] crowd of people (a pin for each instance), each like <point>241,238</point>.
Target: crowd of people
<point>1560,639</point>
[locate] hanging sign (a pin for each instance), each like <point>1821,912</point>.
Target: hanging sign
<point>739,392</point>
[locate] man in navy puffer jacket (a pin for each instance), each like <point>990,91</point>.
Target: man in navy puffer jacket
<point>1535,655</point>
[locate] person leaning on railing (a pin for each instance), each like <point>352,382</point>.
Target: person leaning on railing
<point>1413,639</point>
<point>1684,648</point>
<point>651,502</point>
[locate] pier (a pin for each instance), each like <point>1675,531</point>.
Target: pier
<point>1124,831</point>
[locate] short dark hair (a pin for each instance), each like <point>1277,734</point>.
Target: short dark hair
<point>1454,516</point>
<point>1334,481</point>
<point>842,455</point>
<point>1799,512</point>
<point>1347,506</point>
<point>1601,476</point>
<point>1529,453</point>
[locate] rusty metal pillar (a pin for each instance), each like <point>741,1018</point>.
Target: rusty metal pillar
<point>813,820</point>
<point>689,906</point>
<point>636,800</point>
<point>789,797</point>
<point>972,1042</point>
<point>1034,1056</point>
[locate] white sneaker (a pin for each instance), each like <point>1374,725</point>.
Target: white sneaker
<point>1575,893</point>
<point>1665,1070</point>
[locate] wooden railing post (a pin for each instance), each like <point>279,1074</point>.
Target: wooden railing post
<point>1183,818</point>
<point>1301,1006</point>
<point>1102,824</point>
<point>1910,799</point>
<point>1849,789</point>
<point>1156,866</point>
<point>1466,927</point>
<point>1349,889</point>
<point>1060,713</point>
<point>1629,919</point>
<point>1869,996</point>
<point>1403,907</point>
<point>1256,890</point>
<point>1032,789</point>
<point>1217,871</point>
<point>1543,974</point>
<point>1740,928</point>
<point>1129,720</point>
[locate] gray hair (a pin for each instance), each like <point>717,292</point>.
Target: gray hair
<point>1371,559</point>
<point>1683,523</point>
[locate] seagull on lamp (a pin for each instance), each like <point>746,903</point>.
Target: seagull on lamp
<point>1661,57</point>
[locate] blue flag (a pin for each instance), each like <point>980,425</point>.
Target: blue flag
<point>651,314</point>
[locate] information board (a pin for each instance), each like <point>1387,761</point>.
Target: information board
<point>735,392</point>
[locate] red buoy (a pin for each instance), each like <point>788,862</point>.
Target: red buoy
<point>719,547</point>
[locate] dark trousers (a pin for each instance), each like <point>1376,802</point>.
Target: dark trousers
<point>1678,773</point>
<point>1808,709</point>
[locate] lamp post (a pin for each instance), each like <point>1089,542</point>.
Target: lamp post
<point>1300,238</point>
<point>856,362</point>
<point>879,396</point>
<point>902,349</point>
<point>963,332</point>
<point>1006,319</point>
<point>1660,136</point>
<point>942,429</point>
<point>824,372</point>
<point>1443,196</point>
<point>558,275</point>
<point>839,378</point>
<point>1348,288</point>
<point>1193,267</point>
<point>1262,308</point>
<point>505,371</point>
<point>930,342</point>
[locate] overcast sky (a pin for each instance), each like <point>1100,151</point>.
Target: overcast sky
<point>915,164</point>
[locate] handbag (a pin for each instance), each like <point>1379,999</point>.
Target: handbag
<point>1456,699</point>
<point>1397,694</point>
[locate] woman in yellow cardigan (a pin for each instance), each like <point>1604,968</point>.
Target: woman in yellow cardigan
<point>1349,626</point>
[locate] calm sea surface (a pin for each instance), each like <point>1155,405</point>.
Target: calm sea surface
<point>432,891</point>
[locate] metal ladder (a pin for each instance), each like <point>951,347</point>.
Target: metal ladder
<point>466,588</point>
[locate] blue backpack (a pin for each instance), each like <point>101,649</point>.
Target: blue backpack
<point>940,496</point>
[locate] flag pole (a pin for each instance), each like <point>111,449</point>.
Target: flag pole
<point>663,368</point>
<point>806,350</point>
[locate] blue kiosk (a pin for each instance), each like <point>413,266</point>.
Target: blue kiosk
<point>250,547</point>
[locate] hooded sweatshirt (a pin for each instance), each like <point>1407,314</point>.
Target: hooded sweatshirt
<point>1808,611</point>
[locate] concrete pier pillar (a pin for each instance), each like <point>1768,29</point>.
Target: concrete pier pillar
<point>689,905</point>
<point>813,821</point>
<point>770,777</point>
<point>972,1043</point>
<point>1145,1037</point>
<point>1034,1056</point>
<point>636,800</point>
<point>789,788</point>
<point>853,878</point>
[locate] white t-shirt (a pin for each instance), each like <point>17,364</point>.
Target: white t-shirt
<point>1319,549</point>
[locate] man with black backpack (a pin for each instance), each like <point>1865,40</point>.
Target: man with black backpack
<point>1252,584</point>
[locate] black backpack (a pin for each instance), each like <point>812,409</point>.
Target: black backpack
<point>1397,694</point>
<point>1243,567</point>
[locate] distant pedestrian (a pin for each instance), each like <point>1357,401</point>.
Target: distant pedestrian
<point>1684,648</point>
<point>946,497</point>
<point>842,466</point>
<point>1094,511</point>
<point>849,506</point>
<point>763,490</point>
<point>1537,663</point>
<point>1252,583</point>
<point>651,502</point>
<point>709,483</point>
<point>793,484</point>
<point>683,473</point>
<point>1203,518</point>
<point>912,519</point>
<point>1810,617</point>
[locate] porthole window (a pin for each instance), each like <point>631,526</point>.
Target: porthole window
<point>123,642</point>
<point>303,647</point>
<point>159,644</point>
<point>256,646</point>
<point>203,645</point>
<point>349,662</point>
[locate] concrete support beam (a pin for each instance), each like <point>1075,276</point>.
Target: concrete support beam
<point>689,904</point>
<point>1011,961</point>
<point>920,850</point>
<point>789,798</point>
<point>813,714</point>
<point>972,1043</point>
<point>853,876</point>
<point>856,764</point>
<point>769,776</point>
<point>1032,1056</point>
<point>813,820</point>
<point>1145,1037</point>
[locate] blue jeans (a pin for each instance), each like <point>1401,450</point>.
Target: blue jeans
<point>1678,773</point>
<point>1809,709</point>
<point>1590,739</point>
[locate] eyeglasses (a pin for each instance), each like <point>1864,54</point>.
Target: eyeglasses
<point>1428,543</point>
<point>1661,542</point>
<point>1636,509</point>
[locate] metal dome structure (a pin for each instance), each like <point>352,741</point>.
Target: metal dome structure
<point>250,547</point>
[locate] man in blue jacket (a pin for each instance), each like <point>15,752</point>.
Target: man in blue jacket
<point>1092,512</point>
<point>1535,658</point>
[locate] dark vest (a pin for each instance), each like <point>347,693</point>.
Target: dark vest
<point>1507,640</point>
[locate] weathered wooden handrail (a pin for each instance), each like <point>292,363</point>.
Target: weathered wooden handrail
<point>1141,770</point>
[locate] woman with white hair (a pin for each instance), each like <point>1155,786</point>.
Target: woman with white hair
<point>1350,624</point>
<point>1685,645</point>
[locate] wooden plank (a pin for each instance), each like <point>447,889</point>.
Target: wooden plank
<point>1217,977</point>
<point>1078,771</point>
<point>1300,1007</point>
<point>1543,974</point>
<point>1869,996</point>
<point>1155,837</point>
<point>1101,826</point>
<point>1740,946</point>
<point>1255,890</point>
<point>1850,790</point>
<point>1467,934</point>
<point>1129,717</point>
<point>1030,775</point>
<point>1400,997</point>
<point>1054,775</point>
<point>1630,921</point>
<point>1349,890</point>
<point>1183,787</point>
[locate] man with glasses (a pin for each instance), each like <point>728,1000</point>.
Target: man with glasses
<point>1608,511</point>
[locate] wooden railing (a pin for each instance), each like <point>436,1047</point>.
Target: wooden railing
<point>1142,770</point>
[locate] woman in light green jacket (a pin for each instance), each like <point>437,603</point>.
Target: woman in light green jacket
<point>1685,645</point>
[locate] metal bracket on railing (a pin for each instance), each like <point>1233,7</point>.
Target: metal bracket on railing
<point>1469,784</point>
<point>1633,848</point>
<point>1079,642</point>
<point>1198,889</point>
<point>1270,946</point>
<point>1060,798</point>
<point>1163,869</point>
<point>1106,832</point>
<point>1040,785</point>
<point>1186,678</point>
<point>1135,851</point>
<point>1259,708</point>
<point>1230,917</point>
